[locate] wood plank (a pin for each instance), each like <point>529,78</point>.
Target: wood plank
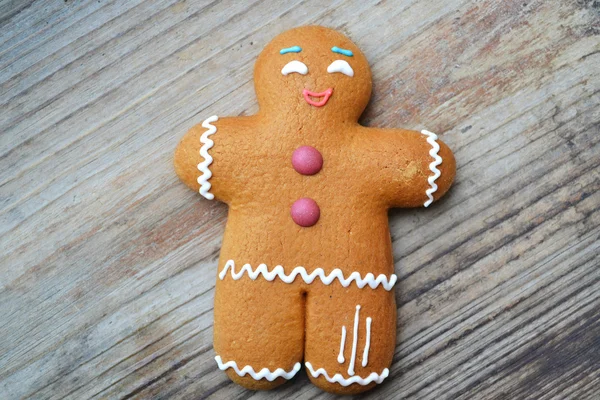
<point>107,262</point>
<point>10,8</point>
<point>46,26</point>
<point>27,19</point>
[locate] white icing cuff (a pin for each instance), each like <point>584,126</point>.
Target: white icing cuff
<point>338,378</point>
<point>264,373</point>
<point>437,160</point>
<point>278,272</point>
<point>207,144</point>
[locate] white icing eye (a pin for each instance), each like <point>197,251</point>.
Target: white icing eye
<point>294,66</point>
<point>340,66</point>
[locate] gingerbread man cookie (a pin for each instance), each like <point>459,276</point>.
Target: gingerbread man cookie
<point>306,275</point>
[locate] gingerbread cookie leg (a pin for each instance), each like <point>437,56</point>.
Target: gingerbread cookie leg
<point>350,336</point>
<point>251,346</point>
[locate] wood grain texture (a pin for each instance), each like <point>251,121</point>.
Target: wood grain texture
<point>107,262</point>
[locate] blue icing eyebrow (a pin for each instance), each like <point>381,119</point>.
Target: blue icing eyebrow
<point>293,49</point>
<point>345,52</point>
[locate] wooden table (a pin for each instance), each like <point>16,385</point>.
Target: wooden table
<point>108,262</point>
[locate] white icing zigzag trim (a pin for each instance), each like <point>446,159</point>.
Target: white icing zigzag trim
<point>207,144</point>
<point>338,378</point>
<point>337,273</point>
<point>263,373</point>
<point>431,139</point>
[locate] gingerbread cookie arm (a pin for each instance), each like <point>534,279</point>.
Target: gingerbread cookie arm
<point>414,169</point>
<point>207,157</point>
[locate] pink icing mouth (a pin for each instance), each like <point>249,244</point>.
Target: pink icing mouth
<point>324,95</point>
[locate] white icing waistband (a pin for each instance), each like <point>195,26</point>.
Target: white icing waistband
<point>263,373</point>
<point>338,378</point>
<point>207,144</point>
<point>437,160</point>
<point>278,272</point>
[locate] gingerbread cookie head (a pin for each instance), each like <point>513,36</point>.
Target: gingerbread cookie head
<point>315,72</point>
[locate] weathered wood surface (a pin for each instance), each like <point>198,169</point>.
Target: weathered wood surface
<point>108,262</point>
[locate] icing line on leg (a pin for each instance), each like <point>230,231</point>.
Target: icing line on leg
<point>437,160</point>
<point>365,357</point>
<point>207,144</point>
<point>338,378</point>
<point>342,345</point>
<point>264,373</point>
<point>354,342</point>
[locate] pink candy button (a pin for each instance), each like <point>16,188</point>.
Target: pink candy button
<point>307,160</point>
<point>305,212</point>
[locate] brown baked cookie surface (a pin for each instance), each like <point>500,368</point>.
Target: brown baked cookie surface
<point>306,275</point>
